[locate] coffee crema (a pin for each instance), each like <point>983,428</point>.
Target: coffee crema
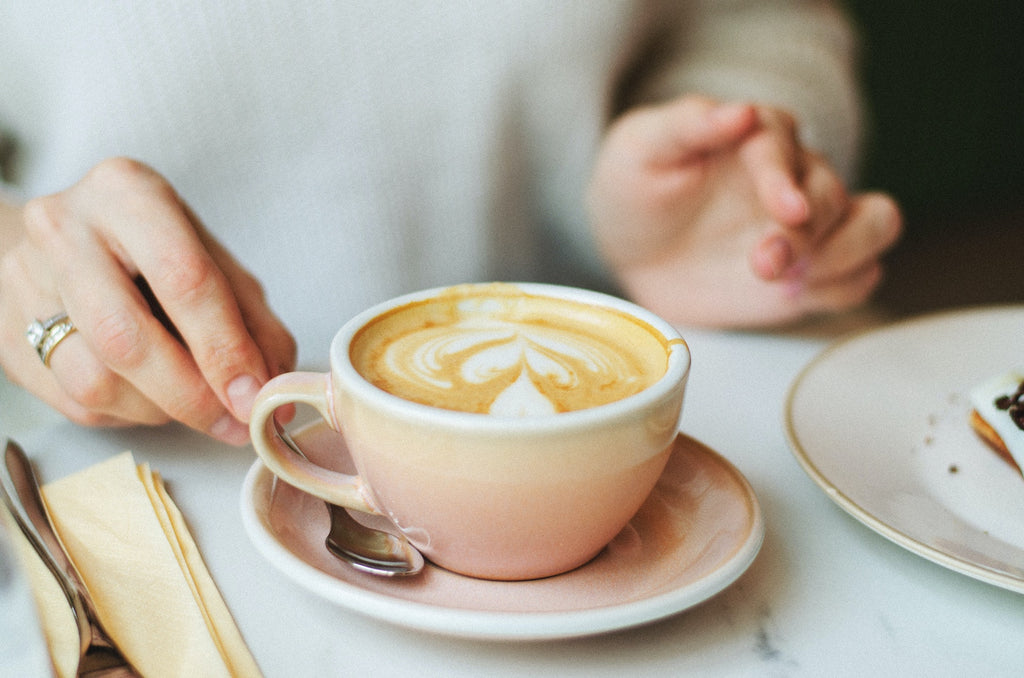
<point>495,349</point>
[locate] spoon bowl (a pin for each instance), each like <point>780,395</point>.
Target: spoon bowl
<point>368,549</point>
<point>365,548</point>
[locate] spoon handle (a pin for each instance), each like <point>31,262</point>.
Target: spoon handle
<point>19,489</point>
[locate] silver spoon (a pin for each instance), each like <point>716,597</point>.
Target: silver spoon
<point>365,548</point>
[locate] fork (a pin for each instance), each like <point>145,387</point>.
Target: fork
<point>19,489</point>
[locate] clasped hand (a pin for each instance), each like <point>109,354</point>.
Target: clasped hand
<point>82,251</point>
<point>715,214</point>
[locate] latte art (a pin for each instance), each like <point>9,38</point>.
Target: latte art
<point>509,369</point>
<point>508,354</point>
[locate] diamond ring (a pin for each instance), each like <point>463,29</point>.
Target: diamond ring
<point>44,335</point>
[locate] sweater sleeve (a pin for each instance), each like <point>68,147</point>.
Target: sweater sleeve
<point>799,55</point>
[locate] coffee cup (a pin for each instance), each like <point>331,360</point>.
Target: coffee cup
<point>509,431</point>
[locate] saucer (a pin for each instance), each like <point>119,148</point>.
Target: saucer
<point>697,533</point>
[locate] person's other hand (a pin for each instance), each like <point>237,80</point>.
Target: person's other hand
<point>95,251</point>
<point>715,214</point>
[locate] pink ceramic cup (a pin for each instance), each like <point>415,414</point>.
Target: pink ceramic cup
<point>489,496</point>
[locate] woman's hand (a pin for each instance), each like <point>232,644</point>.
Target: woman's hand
<point>715,214</point>
<point>92,251</point>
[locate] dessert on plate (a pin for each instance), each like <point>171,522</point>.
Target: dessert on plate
<point>997,415</point>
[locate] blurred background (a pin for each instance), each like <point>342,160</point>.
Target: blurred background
<point>945,88</point>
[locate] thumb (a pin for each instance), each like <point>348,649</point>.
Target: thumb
<point>689,128</point>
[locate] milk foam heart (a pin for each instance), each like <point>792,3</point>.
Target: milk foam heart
<point>498,351</point>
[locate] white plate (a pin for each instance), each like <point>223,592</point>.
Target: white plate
<point>879,421</point>
<point>700,529</point>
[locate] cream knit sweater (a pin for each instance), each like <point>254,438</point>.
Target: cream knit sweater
<point>352,150</point>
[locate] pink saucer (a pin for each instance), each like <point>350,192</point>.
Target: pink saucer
<point>697,533</point>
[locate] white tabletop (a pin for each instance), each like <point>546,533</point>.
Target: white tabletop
<point>826,595</point>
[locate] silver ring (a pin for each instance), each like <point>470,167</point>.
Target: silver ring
<point>44,335</point>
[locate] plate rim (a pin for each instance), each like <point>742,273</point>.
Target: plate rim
<point>498,625</point>
<point>849,504</point>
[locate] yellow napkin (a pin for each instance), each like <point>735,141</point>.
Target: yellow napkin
<point>150,585</point>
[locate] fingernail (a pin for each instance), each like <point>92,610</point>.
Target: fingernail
<point>242,394</point>
<point>229,430</point>
<point>774,256</point>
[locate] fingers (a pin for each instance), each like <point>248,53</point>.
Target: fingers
<point>871,227</point>
<point>76,383</point>
<point>790,185</point>
<point>772,257</point>
<point>123,362</point>
<point>191,287</point>
<point>275,341</point>
<point>839,294</point>
<point>827,203</point>
<point>123,334</point>
<point>92,394</point>
<point>827,199</point>
<point>124,365</point>
<point>737,207</point>
<point>774,158</point>
<point>847,267</point>
<point>198,299</point>
<point>686,129</point>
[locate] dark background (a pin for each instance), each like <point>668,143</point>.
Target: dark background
<point>945,88</point>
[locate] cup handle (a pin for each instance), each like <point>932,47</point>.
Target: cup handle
<point>308,388</point>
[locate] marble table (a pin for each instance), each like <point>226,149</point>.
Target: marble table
<point>825,596</point>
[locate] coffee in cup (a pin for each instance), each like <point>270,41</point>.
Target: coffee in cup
<point>493,350</point>
<point>509,431</point>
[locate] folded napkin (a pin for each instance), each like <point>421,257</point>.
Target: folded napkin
<point>149,583</point>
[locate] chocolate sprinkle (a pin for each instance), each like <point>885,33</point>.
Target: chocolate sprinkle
<point>1013,405</point>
